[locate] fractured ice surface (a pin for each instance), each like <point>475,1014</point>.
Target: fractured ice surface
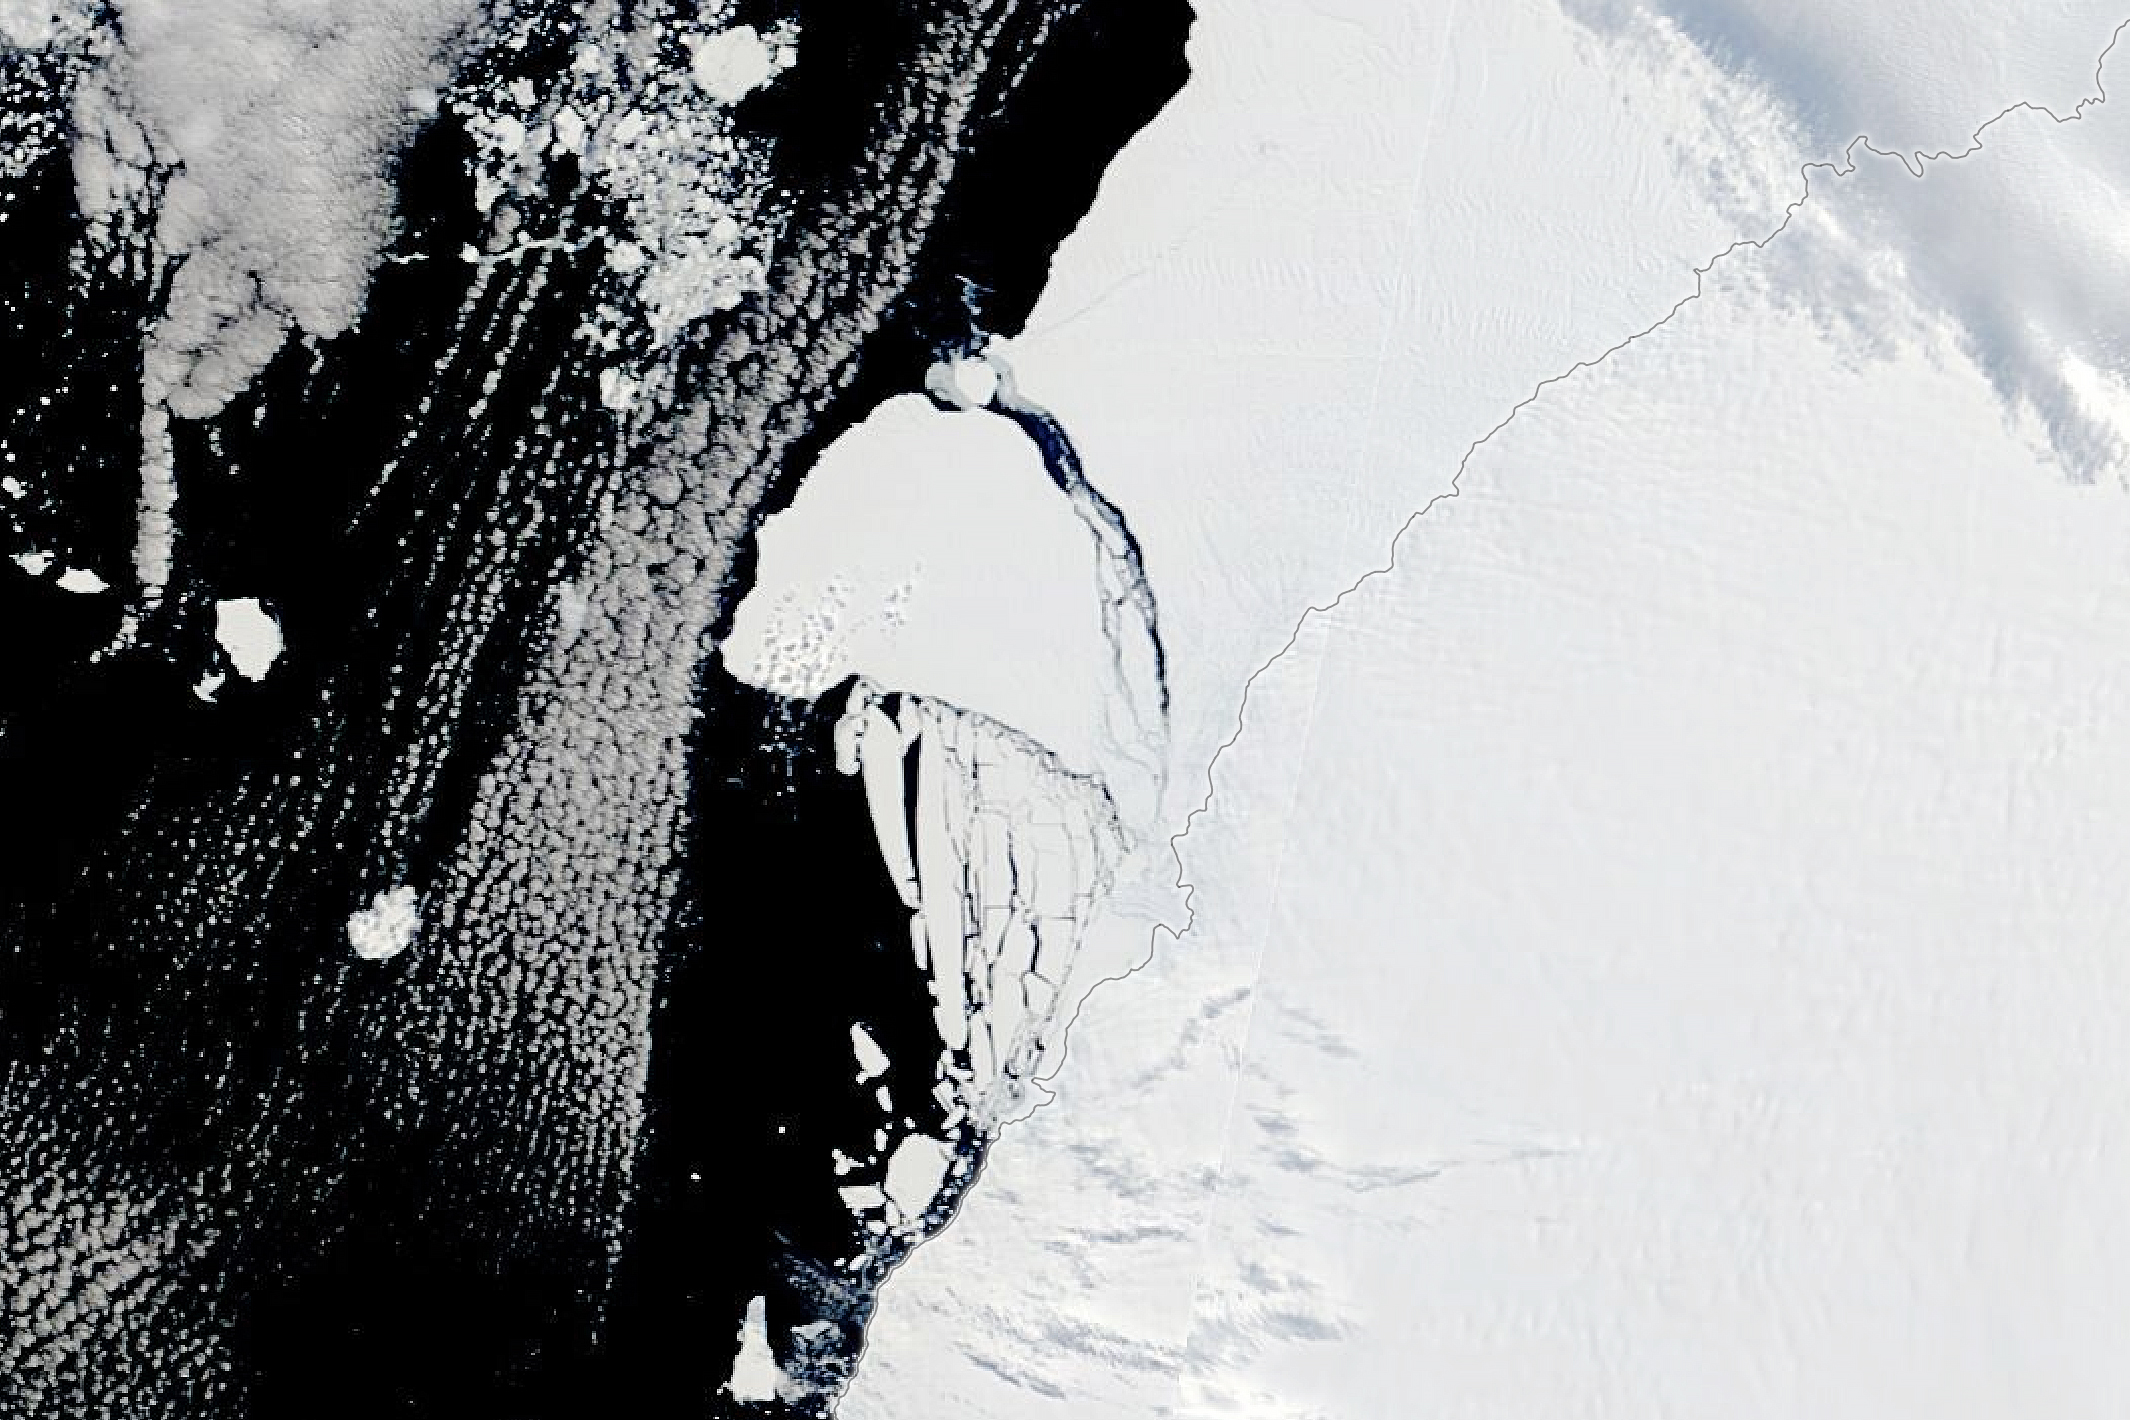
<point>1001,856</point>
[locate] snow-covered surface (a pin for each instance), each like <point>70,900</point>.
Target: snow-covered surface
<point>930,551</point>
<point>1747,881</point>
<point>1883,255</point>
<point>1655,952</point>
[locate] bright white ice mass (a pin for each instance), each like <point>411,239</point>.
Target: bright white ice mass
<point>248,635</point>
<point>387,926</point>
<point>1658,950</point>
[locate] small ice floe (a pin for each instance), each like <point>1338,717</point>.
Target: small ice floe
<point>862,1197</point>
<point>872,743</point>
<point>917,1173</point>
<point>208,685</point>
<point>81,580</point>
<point>34,563</point>
<point>754,1367</point>
<point>872,1060</point>
<point>732,64</point>
<point>966,382</point>
<point>248,635</point>
<point>387,926</point>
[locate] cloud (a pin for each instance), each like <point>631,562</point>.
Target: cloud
<point>277,120</point>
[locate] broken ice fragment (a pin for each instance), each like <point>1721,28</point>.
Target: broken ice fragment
<point>733,63</point>
<point>966,383</point>
<point>80,579</point>
<point>248,635</point>
<point>34,563</point>
<point>387,926</point>
<point>754,1367</point>
<point>871,744</point>
<point>916,1172</point>
<point>872,1060</point>
<point>861,1198</point>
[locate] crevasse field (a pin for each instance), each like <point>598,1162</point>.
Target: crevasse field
<point>1658,950</point>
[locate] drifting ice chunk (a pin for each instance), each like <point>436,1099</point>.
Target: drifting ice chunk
<point>754,1368</point>
<point>387,926</point>
<point>733,63</point>
<point>916,1172</point>
<point>962,384</point>
<point>872,1060</point>
<point>249,635</point>
<point>862,1197</point>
